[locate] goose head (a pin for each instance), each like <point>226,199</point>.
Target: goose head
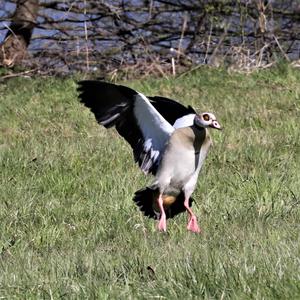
<point>206,120</point>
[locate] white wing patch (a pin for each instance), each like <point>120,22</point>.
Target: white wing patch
<point>184,121</point>
<point>155,129</point>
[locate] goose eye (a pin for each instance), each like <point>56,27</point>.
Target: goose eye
<point>206,117</point>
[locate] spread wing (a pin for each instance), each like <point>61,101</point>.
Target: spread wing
<point>134,117</point>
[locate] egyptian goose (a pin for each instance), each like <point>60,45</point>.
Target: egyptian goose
<point>168,140</point>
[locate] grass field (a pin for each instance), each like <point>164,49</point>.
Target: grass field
<point>69,228</point>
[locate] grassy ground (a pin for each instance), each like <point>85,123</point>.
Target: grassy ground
<point>69,228</point>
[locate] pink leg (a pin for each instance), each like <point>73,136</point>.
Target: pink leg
<point>162,224</point>
<point>192,224</point>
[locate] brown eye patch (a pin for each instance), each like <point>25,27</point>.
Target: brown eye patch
<point>206,117</point>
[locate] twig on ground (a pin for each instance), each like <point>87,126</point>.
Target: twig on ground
<point>20,74</point>
<point>280,48</point>
<point>86,40</point>
<point>184,25</point>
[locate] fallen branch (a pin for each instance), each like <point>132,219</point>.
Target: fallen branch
<point>20,74</point>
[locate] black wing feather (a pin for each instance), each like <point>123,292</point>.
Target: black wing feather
<point>107,101</point>
<point>112,105</point>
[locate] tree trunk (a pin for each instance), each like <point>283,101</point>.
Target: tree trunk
<point>14,48</point>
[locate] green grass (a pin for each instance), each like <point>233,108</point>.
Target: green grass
<point>69,227</point>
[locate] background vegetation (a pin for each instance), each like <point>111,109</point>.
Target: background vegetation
<point>130,38</point>
<point>69,228</point>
